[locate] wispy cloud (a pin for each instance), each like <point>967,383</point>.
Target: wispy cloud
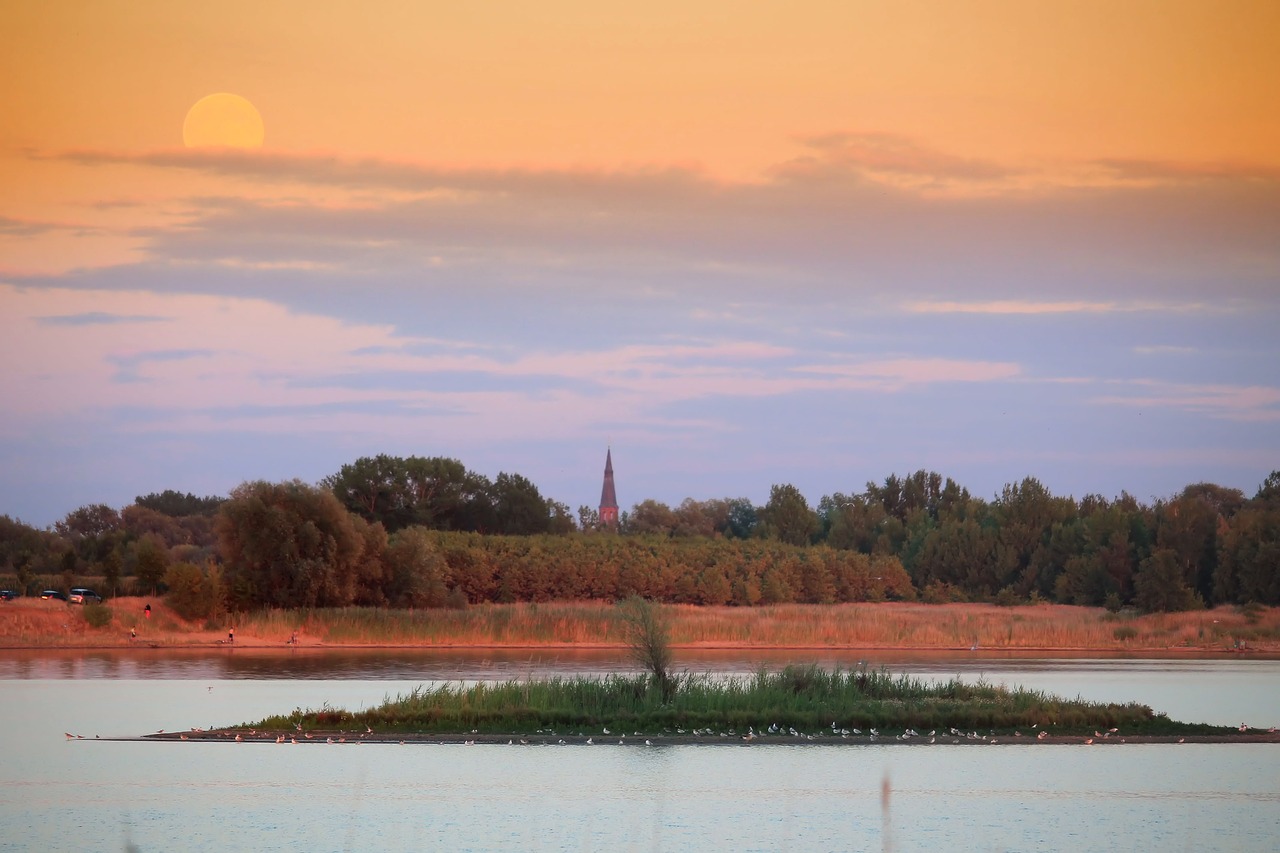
<point>894,373</point>
<point>1164,349</point>
<point>98,318</point>
<point>1165,171</point>
<point>1232,402</point>
<point>875,153</point>
<point>1031,307</point>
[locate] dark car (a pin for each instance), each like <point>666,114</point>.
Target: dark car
<point>7,595</point>
<point>50,594</point>
<point>80,595</point>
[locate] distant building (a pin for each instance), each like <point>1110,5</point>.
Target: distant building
<point>608,497</point>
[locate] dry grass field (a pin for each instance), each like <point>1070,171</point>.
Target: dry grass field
<point>31,623</point>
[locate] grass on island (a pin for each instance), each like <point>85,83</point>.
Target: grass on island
<point>807,699</point>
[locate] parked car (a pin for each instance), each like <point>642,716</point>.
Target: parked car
<point>7,595</point>
<point>51,594</point>
<point>80,595</point>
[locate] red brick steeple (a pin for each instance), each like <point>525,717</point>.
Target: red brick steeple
<point>608,497</point>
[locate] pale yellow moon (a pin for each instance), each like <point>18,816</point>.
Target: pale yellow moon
<point>223,120</point>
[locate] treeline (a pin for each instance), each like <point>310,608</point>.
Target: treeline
<point>292,545</point>
<point>425,532</point>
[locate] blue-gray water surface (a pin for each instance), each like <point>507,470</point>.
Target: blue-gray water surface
<point>91,794</point>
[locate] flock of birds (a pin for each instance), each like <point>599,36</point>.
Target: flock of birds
<point>780,733</point>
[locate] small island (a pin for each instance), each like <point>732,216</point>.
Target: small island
<point>794,705</point>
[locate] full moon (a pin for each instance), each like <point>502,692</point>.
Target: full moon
<point>222,120</point>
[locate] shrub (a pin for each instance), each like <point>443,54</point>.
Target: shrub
<point>192,594</point>
<point>97,615</point>
<point>648,635</point>
<point>1125,632</point>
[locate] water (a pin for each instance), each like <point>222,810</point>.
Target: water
<point>98,795</point>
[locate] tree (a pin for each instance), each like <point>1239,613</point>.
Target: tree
<point>648,636</point>
<point>519,508</point>
<point>742,519</point>
<point>177,504</point>
<point>91,520</point>
<point>1161,585</point>
<point>417,572</point>
<point>787,516</point>
<point>651,518</point>
<point>112,568</point>
<point>191,593</point>
<point>152,562</point>
<point>289,545</point>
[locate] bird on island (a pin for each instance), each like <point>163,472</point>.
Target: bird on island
<point>238,738</point>
<point>1088,741</point>
<point>182,737</point>
<point>1042,735</point>
<point>606,731</point>
<point>648,743</point>
<point>590,742</point>
<point>69,735</point>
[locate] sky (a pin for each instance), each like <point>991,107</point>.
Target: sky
<point>809,242</point>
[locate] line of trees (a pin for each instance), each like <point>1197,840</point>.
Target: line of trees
<point>427,532</point>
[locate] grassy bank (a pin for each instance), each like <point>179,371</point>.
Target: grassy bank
<point>34,623</point>
<point>804,699</point>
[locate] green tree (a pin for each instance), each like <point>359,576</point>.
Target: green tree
<point>518,506</point>
<point>418,572</point>
<point>651,518</point>
<point>1161,584</point>
<point>191,594</point>
<point>289,545</point>
<point>152,561</point>
<point>112,568</point>
<point>647,633</point>
<point>787,516</point>
<point>177,504</point>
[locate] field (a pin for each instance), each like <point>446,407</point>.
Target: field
<point>31,623</point>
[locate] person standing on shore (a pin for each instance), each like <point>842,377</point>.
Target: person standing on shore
<point>146,611</point>
<point>231,635</point>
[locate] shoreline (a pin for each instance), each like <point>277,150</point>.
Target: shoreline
<point>318,647</point>
<point>337,737</point>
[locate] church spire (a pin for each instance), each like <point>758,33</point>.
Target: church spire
<point>608,497</point>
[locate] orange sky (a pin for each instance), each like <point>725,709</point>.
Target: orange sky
<point>729,86</point>
<point>730,89</point>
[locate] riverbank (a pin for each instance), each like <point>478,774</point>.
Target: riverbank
<point>32,623</point>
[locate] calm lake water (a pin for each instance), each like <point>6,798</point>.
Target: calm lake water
<point>91,794</point>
